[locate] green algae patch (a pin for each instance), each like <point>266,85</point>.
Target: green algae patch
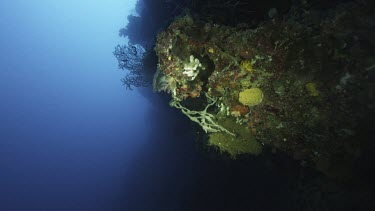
<point>234,146</point>
<point>312,90</point>
<point>243,143</point>
<point>247,66</point>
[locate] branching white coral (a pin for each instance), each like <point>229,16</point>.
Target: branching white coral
<point>203,118</point>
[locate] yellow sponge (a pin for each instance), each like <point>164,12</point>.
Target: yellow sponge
<point>251,97</point>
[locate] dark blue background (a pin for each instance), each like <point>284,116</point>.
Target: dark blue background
<point>68,130</point>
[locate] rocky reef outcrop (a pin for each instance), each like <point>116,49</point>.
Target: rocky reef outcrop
<point>302,84</point>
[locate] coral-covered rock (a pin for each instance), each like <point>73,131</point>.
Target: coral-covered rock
<point>239,110</point>
<point>298,84</point>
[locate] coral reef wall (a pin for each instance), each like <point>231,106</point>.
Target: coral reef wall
<point>302,83</point>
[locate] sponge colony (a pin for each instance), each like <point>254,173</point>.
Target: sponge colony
<point>251,97</point>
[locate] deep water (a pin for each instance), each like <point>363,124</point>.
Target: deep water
<point>172,173</point>
<point>73,139</point>
<point>175,172</point>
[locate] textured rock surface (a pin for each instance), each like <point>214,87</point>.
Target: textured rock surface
<point>311,76</point>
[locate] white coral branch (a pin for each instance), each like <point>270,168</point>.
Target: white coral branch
<point>203,118</point>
